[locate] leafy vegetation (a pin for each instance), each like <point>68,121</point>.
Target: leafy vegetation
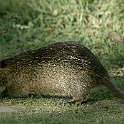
<point>30,24</point>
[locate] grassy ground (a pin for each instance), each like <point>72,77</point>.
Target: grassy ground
<point>27,24</point>
<point>49,111</point>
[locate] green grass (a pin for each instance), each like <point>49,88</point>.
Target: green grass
<point>30,24</point>
<point>49,111</point>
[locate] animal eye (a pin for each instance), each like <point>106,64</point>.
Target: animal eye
<point>3,64</point>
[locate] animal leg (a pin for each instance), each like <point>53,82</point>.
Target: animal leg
<point>80,99</point>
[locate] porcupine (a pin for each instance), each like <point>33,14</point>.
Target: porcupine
<point>59,69</point>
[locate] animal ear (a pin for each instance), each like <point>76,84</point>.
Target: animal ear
<point>3,64</point>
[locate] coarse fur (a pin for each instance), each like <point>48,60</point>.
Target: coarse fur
<point>60,69</point>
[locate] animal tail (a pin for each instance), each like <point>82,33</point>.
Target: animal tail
<point>115,90</point>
